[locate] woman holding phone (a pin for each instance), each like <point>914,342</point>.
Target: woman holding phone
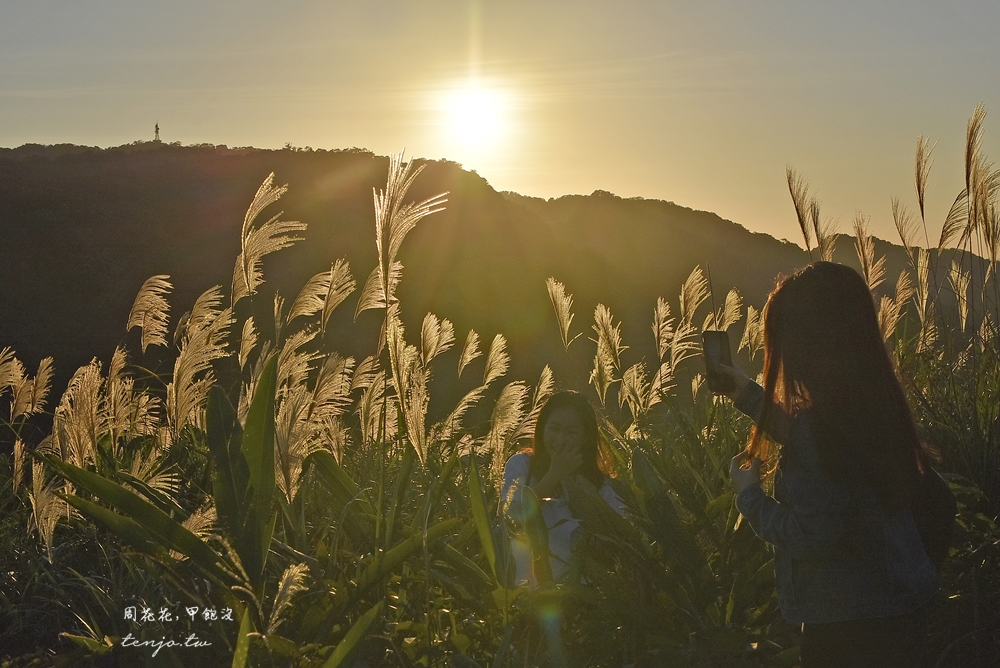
<point>849,562</point>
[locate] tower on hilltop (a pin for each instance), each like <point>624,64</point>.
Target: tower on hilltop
<point>157,130</point>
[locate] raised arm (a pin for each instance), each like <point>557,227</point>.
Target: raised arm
<point>748,397</point>
<point>811,520</point>
<point>776,422</point>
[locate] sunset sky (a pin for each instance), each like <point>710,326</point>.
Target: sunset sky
<point>699,103</point>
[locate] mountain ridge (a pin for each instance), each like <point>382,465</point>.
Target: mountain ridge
<point>83,227</point>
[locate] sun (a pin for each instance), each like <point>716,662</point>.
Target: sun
<point>476,116</point>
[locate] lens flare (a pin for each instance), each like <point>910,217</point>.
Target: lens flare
<point>475,115</point>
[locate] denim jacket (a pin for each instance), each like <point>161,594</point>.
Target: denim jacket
<point>838,555</point>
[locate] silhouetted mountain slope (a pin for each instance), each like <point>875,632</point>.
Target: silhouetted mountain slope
<point>82,228</point>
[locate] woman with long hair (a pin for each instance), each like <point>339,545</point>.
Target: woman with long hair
<point>849,562</point>
<point>566,443</point>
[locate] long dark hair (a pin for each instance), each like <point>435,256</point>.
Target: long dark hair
<point>597,461</point>
<point>823,351</point>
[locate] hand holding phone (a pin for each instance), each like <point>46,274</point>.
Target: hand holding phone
<point>715,349</point>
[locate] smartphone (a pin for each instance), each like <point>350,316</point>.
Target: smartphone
<point>715,349</point>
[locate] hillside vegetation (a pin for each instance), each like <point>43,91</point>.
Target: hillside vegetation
<point>84,227</point>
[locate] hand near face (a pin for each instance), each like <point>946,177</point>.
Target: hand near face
<point>566,459</point>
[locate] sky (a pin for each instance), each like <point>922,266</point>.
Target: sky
<point>699,103</point>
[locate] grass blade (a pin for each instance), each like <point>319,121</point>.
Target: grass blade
<point>243,641</point>
<point>128,530</point>
<point>258,450</point>
<point>387,562</point>
<point>681,552</point>
<point>223,432</point>
<point>337,479</point>
<point>402,483</point>
<point>479,515</point>
<point>354,636</point>
<point>157,523</point>
<point>538,536</point>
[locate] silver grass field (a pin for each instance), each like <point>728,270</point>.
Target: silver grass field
<point>315,501</point>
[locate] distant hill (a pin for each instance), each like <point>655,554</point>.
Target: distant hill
<point>82,228</point>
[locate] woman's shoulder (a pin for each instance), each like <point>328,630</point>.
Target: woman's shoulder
<point>519,458</point>
<point>518,464</point>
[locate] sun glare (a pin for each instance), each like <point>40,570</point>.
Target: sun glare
<point>475,116</point>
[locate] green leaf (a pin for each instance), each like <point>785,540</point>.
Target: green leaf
<point>95,646</point>
<point>257,444</point>
<point>161,500</point>
<point>731,604</point>
<point>282,646</point>
<point>468,565</point>
<point>360,516</point>
<point>384,564</point>
<point>538,535</point>
<point>682,554</point>
<point>258,449</point>
<point>266,534</point>
<point>354,636</point>
<point>129,531</point>
<point>224,435</point>
<point>158,524</point>
<point>387,562</point>
<point>503,650</point>
<point>402,482</point>
<point>243,641</point>
<point>479,515</point>
<point>786,658</point>
<point>461,643</point>
<point>597,516</point>
<point>337,480</point>
<point>444,476</point>
<point>723,502</point>
<point>504,597</point>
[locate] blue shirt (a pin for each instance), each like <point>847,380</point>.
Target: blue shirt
<point>838,555</point>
